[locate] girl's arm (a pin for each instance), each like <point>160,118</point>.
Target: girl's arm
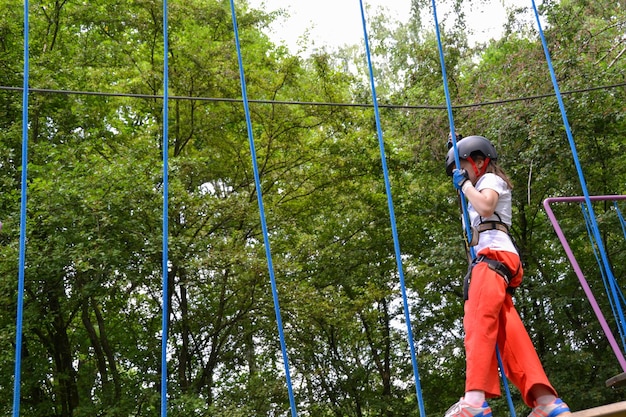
<point>483,201</point>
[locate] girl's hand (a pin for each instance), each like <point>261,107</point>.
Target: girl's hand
<point>459,177</point>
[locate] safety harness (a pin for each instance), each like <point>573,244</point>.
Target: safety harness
<point>493,225</point>
<point>499,267</point>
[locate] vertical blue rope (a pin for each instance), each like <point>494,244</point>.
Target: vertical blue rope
<point>614,299</point>
<point>623,225</point>
<point>457,161</point>
<point>392,217</point>
<point>257,182</point>
<point>620,217</point>
<point>583,183</point>
<point>20,285</point>
<point>165,318</point>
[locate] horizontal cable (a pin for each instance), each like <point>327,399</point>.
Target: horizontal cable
<point>309,103</point>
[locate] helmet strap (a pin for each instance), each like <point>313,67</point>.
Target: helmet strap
<point>481,172</point>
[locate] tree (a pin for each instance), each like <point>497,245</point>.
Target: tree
<point>92,333</point>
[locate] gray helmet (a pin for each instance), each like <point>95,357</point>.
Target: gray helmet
<point>469,145</point>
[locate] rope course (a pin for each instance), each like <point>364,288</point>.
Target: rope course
<point>588,209</point>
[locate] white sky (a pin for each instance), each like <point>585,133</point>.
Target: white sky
<point>338,22</point>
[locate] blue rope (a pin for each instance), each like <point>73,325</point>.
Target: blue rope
<point>257,182</point>
<point>165,318</point>
<point>583,183</point>
<point>466,220</point>
<point>457,160</point>
<point>620,217</point>
<point>623,224</point>
<point>381,144</point>
<point>615,299</point>
<point>20,289</point>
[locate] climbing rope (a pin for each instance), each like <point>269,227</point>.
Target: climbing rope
<point>592,217</point>
<point>257,183</point>
<point>20,285</point>
<point>620,217</point>
<point>463,203</point>
<point>614,294</point>
<point>165,308</point>
<point>392,217</point>
<point>594,225</point>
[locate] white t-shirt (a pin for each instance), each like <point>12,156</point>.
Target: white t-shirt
<point>494,239</point>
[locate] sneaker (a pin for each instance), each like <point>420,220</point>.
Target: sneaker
<point>463,409</point>
<point>557,408</point>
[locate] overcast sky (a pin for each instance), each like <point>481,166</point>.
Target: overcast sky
<point>338,22</point>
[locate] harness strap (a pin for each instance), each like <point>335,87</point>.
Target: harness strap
<point>488,225</point>
<point>502,227</point>
<point>492,225</point>
<point>497,266</point>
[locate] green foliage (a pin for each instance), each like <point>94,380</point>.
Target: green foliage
<point>93,264</point>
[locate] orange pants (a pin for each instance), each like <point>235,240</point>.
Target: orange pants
<point>490,318</point>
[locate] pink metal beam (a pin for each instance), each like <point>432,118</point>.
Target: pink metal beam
<point>583,282</point>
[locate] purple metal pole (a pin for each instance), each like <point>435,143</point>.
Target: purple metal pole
<point>583,282</point>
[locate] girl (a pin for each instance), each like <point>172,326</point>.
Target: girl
<point>490,316</point>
